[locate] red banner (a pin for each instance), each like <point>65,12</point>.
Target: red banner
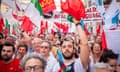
<point>47,5</point>
<point>73,7</point>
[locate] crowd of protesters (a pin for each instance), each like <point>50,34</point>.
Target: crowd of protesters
<point>61,52</point>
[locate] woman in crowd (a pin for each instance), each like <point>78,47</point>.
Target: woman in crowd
<point>96,52</point>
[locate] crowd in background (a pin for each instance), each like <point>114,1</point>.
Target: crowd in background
<point>58,52</point>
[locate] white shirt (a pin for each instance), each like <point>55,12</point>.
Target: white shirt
<point>91,64</point>
<point>78,67</point>
<point>51,61</point>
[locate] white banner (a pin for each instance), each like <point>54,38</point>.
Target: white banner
<point>113,40</point>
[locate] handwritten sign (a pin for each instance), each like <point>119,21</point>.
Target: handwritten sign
<point>92,13</point>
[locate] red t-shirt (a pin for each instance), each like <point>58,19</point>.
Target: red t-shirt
<point>13,66</point>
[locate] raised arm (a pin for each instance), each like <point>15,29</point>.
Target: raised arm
<point>84,51</point>
<point>26,37</point>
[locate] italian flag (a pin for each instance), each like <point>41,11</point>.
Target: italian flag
<point>7,27</point>
<point>37,6</point>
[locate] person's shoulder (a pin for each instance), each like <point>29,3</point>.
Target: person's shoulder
<point>56,67</point>
<point>78,65</point>
<point>77,60</point>
<point>51,57</point>
<point>1,62</point>
<point>16,62</point>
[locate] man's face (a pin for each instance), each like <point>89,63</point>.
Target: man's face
<point>44,49</point>
<point>33,65</point>
<point>7,53</point>
<point>99,39</point>
<point>67,50</point>
<point>56,37</point>
<point>10,39</point>
<point>22,50</point>
<point>36,45</point>
<point>113,63</point>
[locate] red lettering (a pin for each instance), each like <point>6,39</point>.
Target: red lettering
<point>94,9</point>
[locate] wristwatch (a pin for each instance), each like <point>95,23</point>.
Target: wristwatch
<point>78,24</point>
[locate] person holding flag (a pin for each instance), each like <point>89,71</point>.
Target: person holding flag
<point>70,63</point>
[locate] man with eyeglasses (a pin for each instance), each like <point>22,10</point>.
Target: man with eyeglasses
<point>102,67</point>
<point>110,58</point>
<point>71,63</point>
<point>33,63</point>
<point>45,51</point>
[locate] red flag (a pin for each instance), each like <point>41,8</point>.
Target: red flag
<point>58,24</point>
<point>1,24</point>
<point>13,31</point>
<point>86,30</point>
<point>74,7</point>
<point>5,32</point>
<point>27,25</point>
<point>47,5</point>
<point>46,25</point>
<point>98,29</point>
<point>43,26</point>
<point>14,28</point>
<point>54,28</point>
<point>104,43</point>
<point>52,32</point>
<point>65,28</point>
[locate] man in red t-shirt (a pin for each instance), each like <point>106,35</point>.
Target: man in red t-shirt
<point>9,64</point>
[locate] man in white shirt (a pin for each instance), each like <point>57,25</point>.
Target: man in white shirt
<point>67,48</point>
<point>45,51</point>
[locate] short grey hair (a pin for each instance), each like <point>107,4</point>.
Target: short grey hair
<point>102,66</point>
<point>31,56</point>
<point>46,41</point>
<point>36,40</point>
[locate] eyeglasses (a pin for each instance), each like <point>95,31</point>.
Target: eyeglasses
<point>113,65</point>
<point>36,68</point>
<point>44,47</point>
